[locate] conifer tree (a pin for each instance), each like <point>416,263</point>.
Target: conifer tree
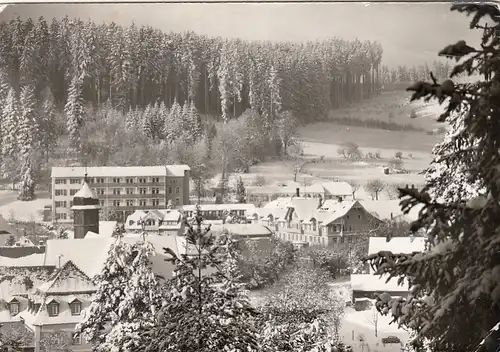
<point>26,143</point>
<point>455,295</point>
<point>27,121</point>
<point>205,308</point>
<point>10,127</point>
<point>47,134</point>
<point>75,113</point>
<point>128,296</point>
<point>240,191</point>
<point>195,122</point>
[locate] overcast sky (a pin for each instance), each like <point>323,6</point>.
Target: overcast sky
<point>409,33</point>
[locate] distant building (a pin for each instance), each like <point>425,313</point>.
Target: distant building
<point>305,221</point>
<point>216,211</point>
<point>120,189</point>
<point>6,230</point>
<point>323,190</point>
<point>164,221</point>
<point>367,285</point>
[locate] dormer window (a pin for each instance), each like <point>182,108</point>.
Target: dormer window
<point>53,309</point>
<point>14,307</point>
<point>76,307</point>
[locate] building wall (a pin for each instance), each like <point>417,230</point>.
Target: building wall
<point>355,221</point>
<point>372,294</point>
<point>116,194</point>
<point>68,329</point>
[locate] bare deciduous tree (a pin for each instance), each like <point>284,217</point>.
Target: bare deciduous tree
<point>350,151</point>
<point>373,319</point>
<point>374,187</point>
<point>355,187</point>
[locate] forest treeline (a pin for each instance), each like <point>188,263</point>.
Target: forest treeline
<point>135,66</point>
<point>75,79</point>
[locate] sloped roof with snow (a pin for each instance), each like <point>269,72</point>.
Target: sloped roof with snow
<point>337,188</point>
<point>106,228</point>
<point>217,207</point>
<point>85,192</point>
<point>88,254</point>
<point>404,245</point>
<point>119,171</point>
<point>32,260</point>
<point>369,282</point>
<point>384,209</point>
<point>337,210</point>
<point>68,279</point>
<point>304,207</point>
<point>243,230</point>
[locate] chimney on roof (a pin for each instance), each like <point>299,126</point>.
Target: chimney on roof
<point>339,199</point>
<point>297,192</point>
<point>392,216</point>
<point>320,202</point>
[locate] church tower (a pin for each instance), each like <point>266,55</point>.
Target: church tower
<point>85,211</point>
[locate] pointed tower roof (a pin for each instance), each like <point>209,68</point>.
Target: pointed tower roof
<point>85,198</point>
<point>85,192</point>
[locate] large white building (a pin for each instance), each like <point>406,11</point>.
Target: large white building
<point>120,189</point>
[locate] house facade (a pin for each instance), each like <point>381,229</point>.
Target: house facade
<point>323,190</point>
<point>211,212</point>
<point>332,223</point>
<point>164,222</point>
<point>121,190</point>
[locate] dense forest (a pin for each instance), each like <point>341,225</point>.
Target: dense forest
<point>88,82</point>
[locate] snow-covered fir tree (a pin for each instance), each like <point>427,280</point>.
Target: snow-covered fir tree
<point>47,135</point>
<point>28,177</point>
<point>127,299</point>
<point>195,122</point>
<point>205,308</point>
<point>455,296</point>
<point>27,122</point>
<point>10,127</point>
<point>147,121</point>
<point>75,112</point>
<point>173,124</point>
<point>132,119</point>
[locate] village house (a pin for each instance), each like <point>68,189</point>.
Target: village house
<point>306,221</point>
<point>323,190</point>
<point>211,212</point>
<point>367,285</point>
<point>45,292</point>
<point>159,221</point>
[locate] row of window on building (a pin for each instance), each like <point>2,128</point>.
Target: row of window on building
<point>99,180</point>
<point>117,191</point>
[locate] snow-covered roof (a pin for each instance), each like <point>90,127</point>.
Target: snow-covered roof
<point>88,254</point>
<point>221,207</point>
<point>120,171</point>
<point>32,260</point>
<point>370,282</point>
<point>337,188</point>
<point>384,209</point>
<point>106,228</point>
<point>336,211</point>
<point>254,230</point>
<point>85,192</point>
<point>396,244</point>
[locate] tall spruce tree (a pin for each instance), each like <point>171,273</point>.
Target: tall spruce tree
<point>75,113</point>
<point>128,296</point>
<point>26,143</point>
<point>205,308</point>
<point>455,297</point>
<point>47,134</point>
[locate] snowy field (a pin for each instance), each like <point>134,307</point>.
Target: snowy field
<point>24,211</point>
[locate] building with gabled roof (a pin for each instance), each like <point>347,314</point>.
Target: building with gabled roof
<point>367,285</point>
<point>309,221</point>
